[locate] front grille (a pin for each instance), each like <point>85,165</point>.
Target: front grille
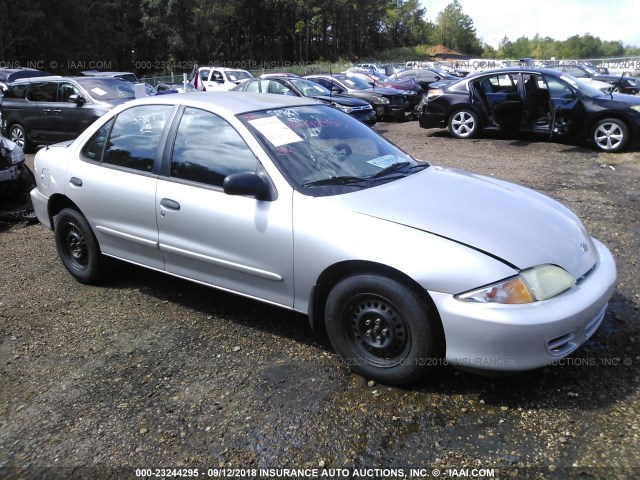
<point>397,100</point>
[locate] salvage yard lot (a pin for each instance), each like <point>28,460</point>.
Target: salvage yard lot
<point>150,371</point>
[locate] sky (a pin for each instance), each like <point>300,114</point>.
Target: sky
<point>558,19</point>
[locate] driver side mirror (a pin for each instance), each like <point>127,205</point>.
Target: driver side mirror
<point>77,99</point>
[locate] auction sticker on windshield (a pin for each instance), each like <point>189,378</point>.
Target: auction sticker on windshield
<point>275,131</point>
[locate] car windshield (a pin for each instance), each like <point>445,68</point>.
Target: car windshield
<point>236,75</point>
<point>355,83</point>
<point>309,88</point>
<point>322,151</point>
<point>106,89</point>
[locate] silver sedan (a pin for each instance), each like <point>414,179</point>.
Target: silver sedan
<point>284,200</point>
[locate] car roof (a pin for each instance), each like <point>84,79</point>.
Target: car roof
<point>232,102</point>
<point>16,73</point>
<point>59,77</point>
<point>550,71</point>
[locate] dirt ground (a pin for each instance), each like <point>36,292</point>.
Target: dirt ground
<point>151,372</point>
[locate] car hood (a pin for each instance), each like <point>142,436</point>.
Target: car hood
<point>384,91</point>
<point>511,223</point>
<point>342,100</point>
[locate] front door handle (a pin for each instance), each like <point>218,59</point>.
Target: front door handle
<point>75,181</point>
<point>170,204</point>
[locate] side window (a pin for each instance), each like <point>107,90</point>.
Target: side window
<point>207,149</point>
<point>558,89</point>
<point>43,92</point>
<point>216,77</point>
<point>252,87</point>
<point>17,91</point>
<point>95,146</point>
<point>204,74</point>
<point>65,90</point>
<point>135,137</point>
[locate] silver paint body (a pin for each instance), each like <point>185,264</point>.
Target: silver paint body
<point>422,225</point>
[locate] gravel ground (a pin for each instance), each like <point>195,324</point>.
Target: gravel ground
<point>148,371</point>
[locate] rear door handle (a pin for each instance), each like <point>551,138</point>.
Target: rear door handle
<point>170,204</point>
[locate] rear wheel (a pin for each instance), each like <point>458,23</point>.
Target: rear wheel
<point>610,135</point>
<point>382,329</point>
<point>463,124</point>
<point>18,135</point>
<point>78,248</point>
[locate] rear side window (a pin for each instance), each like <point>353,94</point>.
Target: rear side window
<point>43,92</point>
<point>17,91</point>
<point>207,149</point>
<point>94,148</point>
<point>134,139</point>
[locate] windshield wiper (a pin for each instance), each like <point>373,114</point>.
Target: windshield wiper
<point>390,168</point>
<point>342,180</point>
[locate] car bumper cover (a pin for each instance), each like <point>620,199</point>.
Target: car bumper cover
<point>493,337</point>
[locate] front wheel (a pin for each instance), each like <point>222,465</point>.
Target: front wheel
<point>610,135</point>
<point>78,248</point>
<point>382,329</point>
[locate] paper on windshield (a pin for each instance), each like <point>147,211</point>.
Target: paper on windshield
<point>384,161</point>
<point>274,130</point>
<point>98,91</point>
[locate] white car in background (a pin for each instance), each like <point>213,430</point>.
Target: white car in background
<point>211,79</point>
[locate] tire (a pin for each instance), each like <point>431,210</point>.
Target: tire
<point>463,124</point>
<point>78,248</point>
<point>18,135</point>
<point>382,329</point>
<point>610,135</point>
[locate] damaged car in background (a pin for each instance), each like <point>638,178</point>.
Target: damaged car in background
<point>16,183</point>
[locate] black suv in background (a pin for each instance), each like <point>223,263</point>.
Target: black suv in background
<point>45,110</point>
<point>621,84</point>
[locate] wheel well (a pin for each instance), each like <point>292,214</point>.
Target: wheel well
<point>57,203</point>
<point>339,271</point>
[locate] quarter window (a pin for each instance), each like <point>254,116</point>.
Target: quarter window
<point>207,149</point>
<point>135,137</point>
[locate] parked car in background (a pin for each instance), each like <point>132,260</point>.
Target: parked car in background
<point>412,90</point>
<point>425,76</point>
<point>536,100</point>
<point>8,75</point>
<point>45,110</point>
<point>387,102</point>
<point>173,88</point>
<point>127,76</point>
<point>211,79</point>
<point>303,87</point>
<point>298,205</point>
<point>621,83</point>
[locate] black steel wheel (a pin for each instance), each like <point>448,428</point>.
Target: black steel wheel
<point>382,329</point>
<point>78,248</point>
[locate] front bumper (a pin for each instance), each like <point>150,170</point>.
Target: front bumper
<point>493,337</point>
<point>40,206</point>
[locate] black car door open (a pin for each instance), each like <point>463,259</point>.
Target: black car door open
<point>566,107</point>
<point>499,95</point>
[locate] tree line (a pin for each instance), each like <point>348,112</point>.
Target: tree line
<point>166,35</point>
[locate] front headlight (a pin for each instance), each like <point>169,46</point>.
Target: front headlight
<point>434,92</point>
<point>636,108</point>
<point>383,100</point>
<point>531,285</point>
<point>342,108</point>
<point>633,82</point>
